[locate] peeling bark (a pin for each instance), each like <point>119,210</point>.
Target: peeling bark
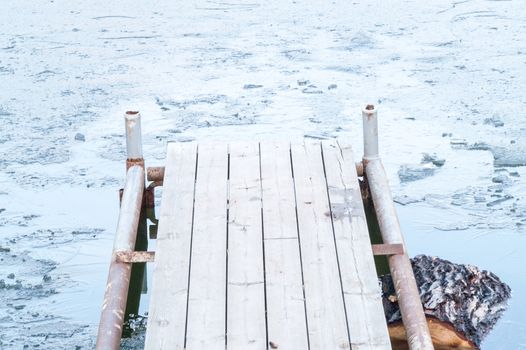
<point>462,303</point>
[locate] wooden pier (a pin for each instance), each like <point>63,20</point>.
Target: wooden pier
<point>262,245</point>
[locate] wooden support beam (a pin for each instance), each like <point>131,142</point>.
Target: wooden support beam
<point>134,257</point>
<point>388,249</point>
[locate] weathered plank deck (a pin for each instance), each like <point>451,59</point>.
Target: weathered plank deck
<point>263,246</point>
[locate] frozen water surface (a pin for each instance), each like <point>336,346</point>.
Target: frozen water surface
<point>448,78</point>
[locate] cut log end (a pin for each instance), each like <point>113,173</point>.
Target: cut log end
<point>443,334</point>
<point>462,303</point>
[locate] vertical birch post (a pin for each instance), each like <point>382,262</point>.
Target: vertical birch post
<point>132,121</point>
<point>370,133</point>
<point>413,317</point>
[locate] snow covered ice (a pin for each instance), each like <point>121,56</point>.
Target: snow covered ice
<point>439,71</point>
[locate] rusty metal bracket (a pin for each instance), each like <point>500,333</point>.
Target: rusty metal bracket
<point>149,197</point>
<point>134,257</point>
<point>388,249</point>
<point>134,161</point>
<point>359,169</point>
<point>155,173</point>
<point>154,184</point>
<point>150,204</point>
<point>150,207</point>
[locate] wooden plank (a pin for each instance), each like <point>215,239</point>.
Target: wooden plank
<point>287,327</point>
<point>326,318</point>
<point>246,325</point>
<point>207,293</point>
<point>167,316</point>
<point>365,315</point>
